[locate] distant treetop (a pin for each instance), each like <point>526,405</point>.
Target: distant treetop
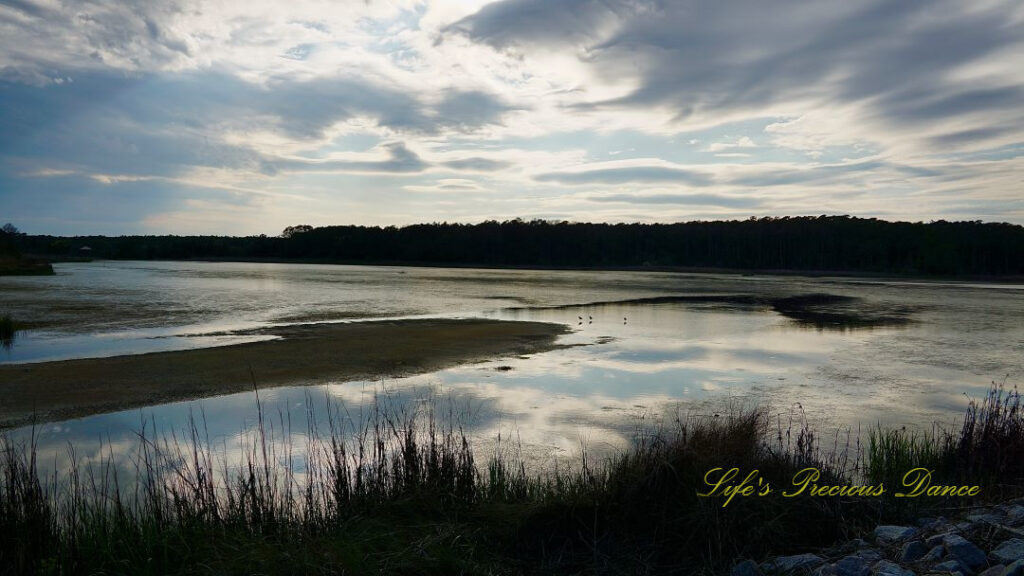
<point>293,230</point>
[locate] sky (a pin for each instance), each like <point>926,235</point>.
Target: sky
<point>229,117</point>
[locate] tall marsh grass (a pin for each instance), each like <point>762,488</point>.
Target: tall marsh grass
<point>987,449</point>
<point>403,492</point>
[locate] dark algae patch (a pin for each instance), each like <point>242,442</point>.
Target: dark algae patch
<point>818,310</point>
<point>834,311</point>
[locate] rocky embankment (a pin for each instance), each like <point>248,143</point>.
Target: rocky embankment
<point>985,542</point>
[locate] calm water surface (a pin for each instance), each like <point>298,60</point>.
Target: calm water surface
<point>636,363</point>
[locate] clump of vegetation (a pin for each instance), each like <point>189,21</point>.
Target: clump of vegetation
<point>404,493</point>
<point>7,331</point>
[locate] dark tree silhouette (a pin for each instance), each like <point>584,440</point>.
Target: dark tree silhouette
<point>822,243</point>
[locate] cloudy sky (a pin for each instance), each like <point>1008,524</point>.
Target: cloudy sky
<point>180,116</point>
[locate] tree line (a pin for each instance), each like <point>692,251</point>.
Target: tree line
<point>823,243</point>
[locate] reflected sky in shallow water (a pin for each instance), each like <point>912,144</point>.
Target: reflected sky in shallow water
<point>624,366</point>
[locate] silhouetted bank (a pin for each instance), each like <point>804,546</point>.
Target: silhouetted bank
<point>824,243</point>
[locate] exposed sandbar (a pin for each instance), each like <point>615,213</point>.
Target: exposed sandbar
<point>305,354</point>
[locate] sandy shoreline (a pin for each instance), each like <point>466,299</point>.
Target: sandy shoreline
<point>305,354</point>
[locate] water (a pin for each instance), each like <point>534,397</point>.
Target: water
<point>635,363</point>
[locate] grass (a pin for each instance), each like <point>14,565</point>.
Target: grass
<point>404,493</point>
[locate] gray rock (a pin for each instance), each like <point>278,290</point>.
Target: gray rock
<point>964,550</point>
<point>996,570</point>
<point>1015,515</point>
<point>746,568</point>
<point>789,564</point>
<point>853,566</point>
<point>950,566</point>
<point>985,518</point>
<point>870,554</point>
<point>826,570</point>
<point>886,568</point>
<point>913,551</point>
<point>927,523</point>
<point>1008,552</point>
<point>935,554</point>
<point>1015,569</point>
<point>890,534</point>
<point>965,527</point>
<point>936,540</point>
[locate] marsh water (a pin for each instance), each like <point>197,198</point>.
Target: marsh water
<point>844,353</point>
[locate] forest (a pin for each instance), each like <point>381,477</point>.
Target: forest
<point>821,243</point>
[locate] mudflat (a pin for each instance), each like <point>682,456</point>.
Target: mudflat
<point>304,354</point>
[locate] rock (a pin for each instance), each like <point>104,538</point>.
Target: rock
<point>886,568</point>
<point>964,526</point>
<point>950,566</point>
<point>788,564</point>
<point>935,554</point>
<point>936,540</point>
<point>963,550</point>
<point>870,555</point>
<point>890,534</point>
<point>913,551</point>
<point>1015,569</point>
<point>1008,552</point>
<point>996,570</point>
<point>985,518</point>
<point>826,570</point>
<point>746,568</point>
<point>1015,515</point>
<point>852,566</point>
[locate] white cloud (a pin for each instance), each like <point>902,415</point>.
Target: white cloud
<point>388,112</point>
<point>742,142</point>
